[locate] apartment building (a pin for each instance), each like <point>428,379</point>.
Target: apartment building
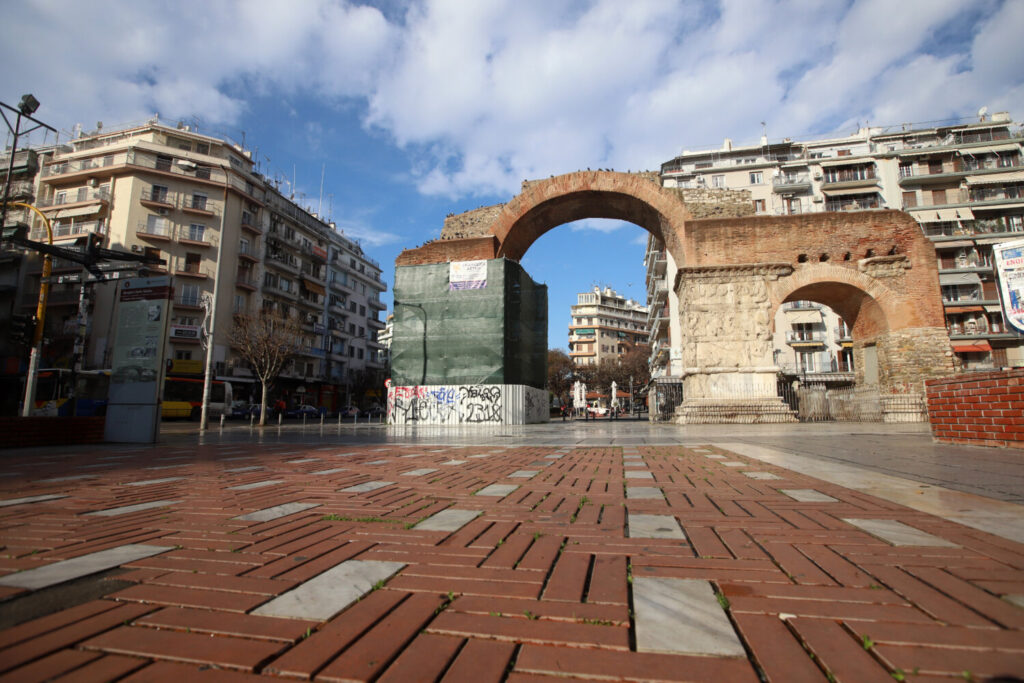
<point>605,325</point>
<point>198,202</point>
<point>963,182</point>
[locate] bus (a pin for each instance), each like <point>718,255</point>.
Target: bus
<point>53,392</point>
<point>183,397</point>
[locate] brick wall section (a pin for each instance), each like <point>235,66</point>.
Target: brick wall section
<point>443,251</point>
<point>716,203</point>
<point>24,432</point>
<point>981,409</point>
<point>475,223</point>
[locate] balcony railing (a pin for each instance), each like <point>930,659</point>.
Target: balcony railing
<point>806,336</point>
<point>859,202</point>
<point>158,197</point>
<point>189,300</point>
<point>159,229</point>
<point>83,194</point>
<point>842,333</point>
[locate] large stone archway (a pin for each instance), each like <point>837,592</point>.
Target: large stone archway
<point>875,268</point>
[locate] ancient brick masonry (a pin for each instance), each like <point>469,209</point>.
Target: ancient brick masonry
<point>985,409</point>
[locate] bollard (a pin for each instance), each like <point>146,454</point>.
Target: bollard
<point>339,418</point>
<point>252,419</point>
<point>222,420</point>
<point>303,419</point>
<point>321,419</point>
<point>279,416</point>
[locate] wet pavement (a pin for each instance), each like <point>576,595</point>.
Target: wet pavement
<point>590,550</point>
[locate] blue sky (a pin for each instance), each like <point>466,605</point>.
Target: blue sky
<point>414,110</point>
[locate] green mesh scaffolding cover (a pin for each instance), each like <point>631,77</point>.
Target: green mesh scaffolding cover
<point>495,334</point>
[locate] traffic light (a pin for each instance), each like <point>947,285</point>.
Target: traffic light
<point>23,327</point>
<point>89,242</point>
<point>15,231</point>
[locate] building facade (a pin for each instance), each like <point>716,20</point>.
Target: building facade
<point>605,325</point>
<point>963,183</point>
<point>198,203</point>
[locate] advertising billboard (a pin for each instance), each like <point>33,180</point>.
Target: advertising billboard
<point>1009,258</point>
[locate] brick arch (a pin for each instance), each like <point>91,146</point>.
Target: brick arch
<point>546,204</point>
<point>868,305</point>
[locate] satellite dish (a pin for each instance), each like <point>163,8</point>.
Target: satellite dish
<point>982,112</point>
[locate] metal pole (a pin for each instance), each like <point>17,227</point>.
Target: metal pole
<point>204,416</point>
<point>10,170</point>
<point>37,337</point>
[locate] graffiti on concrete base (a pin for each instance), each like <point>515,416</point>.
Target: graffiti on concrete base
<point>480,404</point>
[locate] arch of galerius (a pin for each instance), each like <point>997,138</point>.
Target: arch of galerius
<point>875,268</point>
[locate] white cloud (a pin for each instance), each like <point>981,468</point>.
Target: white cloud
<point>482,95</point>
<point>605,225</point>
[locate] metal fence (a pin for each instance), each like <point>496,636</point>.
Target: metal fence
<point>820,403</point>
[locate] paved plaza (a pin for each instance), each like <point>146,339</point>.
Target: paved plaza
<point>583,550</point>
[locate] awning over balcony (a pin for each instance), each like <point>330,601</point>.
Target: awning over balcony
<point>976,347</point>
<point>583,332</point>
<point>997,178</point>
<point>959,279</point>
<point>993,309</point>
<point>865,189</point>
<point>924,214</point>
<point>845,161</point>
<point>313,287</point>
<point>77,211</point>
<point>803,315</point>
<point>989,149</point>
<point>922,151</point>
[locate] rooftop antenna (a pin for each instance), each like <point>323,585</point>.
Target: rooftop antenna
<point>320,206</point>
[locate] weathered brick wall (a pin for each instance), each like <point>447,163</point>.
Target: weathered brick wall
<point>716,203</point>
<point>443,251</point>
<point>475,223</point>
<point>24,432</point>
<point>983,409</point>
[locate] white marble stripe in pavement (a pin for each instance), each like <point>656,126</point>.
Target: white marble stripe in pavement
<point>682,616</point>
<point>126,509</point>
<point>256,485</point>
<point>149,482</point>
<point>808,496</point>
<point>250,468</point>
<point>73,477</point>
<point>271,513</point>
<point>333,470</point>
<point>31,499</point>
<point>448,520</point>
<point>329,593</point>
<point>366,487</point>
<point>898,533</point>
<point>84,565</point>
<point>654,526</point>
<point>994,516</point>
<point>498,490</point>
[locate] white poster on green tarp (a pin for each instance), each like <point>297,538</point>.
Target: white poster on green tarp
<point>1009,257</point>
<point>143,313</point>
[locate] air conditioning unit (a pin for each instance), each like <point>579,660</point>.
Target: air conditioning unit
<point>137,248</point>
<point>163,212</point>
<point>817,176</point>
<point>93,182</point>
<point>817,200</point>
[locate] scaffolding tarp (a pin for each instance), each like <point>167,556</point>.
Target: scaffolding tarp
<point>496,334</point>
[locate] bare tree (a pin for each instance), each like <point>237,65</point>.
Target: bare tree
<point>267,341</point>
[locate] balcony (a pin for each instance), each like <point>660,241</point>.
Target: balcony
<point>856,202</point>
<point>338,309</point>
<point>199,206</point>
<point>318,274</point>
<point>158,230</point>
<point>374,323</point>
<point>842,334</point>
<point>283,262</point>
<point>250,223</point>
<point>805,338</point>
<point>70,230</point>
<point>791,183</point>
<point>157,199</point>
<point>246,281</point>
<point>194,271</point>
<point>190,301</point>
<point>248,253</point>
<point>67,199</point>
<point>292,293</point>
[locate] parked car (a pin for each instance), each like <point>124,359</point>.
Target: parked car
<point>351,411</point>
<point>304,410</point>
<point>373,412</point>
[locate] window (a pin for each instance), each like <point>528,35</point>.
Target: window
<point>163,162</point>
<point>158,225</point>
<point>909,200</point>
<point>362,310</point>
<point>1006,159</point>
<point>758,206</point>
<point>362,332</point>
<point>158,193</point>
<point>203,172</point>
<point>192,263</point>
<point>756,178</point>
<point>285,285</point>
<point>906,170</point>
<point>359,353</point>
<point>718,181</point>
<point>182,355</point>
<point>199,201</point>
<point>1015,223</point>
<point>938,197</point>
<point>60,198</point>
<point>239,304</point>
<point>196,231</point>
<point>202,148</point>
<point>189,295</point>
<point>352,306</point>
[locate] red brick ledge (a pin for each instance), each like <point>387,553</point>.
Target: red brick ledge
<point>979,409</point>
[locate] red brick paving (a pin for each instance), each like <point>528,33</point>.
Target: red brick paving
<point>537,587</point>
